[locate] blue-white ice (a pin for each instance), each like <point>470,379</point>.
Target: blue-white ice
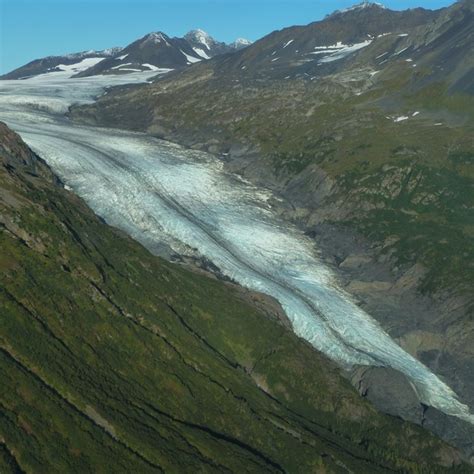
<point>160,192</point>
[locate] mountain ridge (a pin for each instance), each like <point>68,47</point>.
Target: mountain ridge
<point>153,51</point>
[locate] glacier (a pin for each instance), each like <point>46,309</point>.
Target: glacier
<point>163,194</point>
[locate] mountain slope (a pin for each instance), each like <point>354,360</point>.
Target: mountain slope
<point>322,47</point>
<point>115,361</point>
<point>159,51</point>
<point>372,151</point>
<point>207,47</point>
<point>153,52</point>
<point>75,61</point>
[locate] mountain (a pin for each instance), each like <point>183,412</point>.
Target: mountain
<point>323,47</point>
<point>363,122</point>
<point>204,44</point>
<point>157,51</point>
<point>113,360</point>
<point>240,43</point>
<point>153,52</point>
<point>73,63</point>
<point>208,47</point>
<point>201,40</point>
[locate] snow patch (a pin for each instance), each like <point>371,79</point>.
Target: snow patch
<point>202,53</point>
<point>121,66</point>
<point>121,58</point>
<point>339,50</point>
<point>160,70</point>
<point>190,59</point>
<point>151,67</point>
<point>157,38</point>
<point>359,6</point>
<point>201,37</point>
<point>401,51</point>
<point>241,43</point>
<point>288,43</point>
<point>69,70</point>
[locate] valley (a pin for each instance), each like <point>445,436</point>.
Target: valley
<point>321,175</point>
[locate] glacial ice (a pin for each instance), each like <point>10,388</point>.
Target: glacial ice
<point>159,192</point>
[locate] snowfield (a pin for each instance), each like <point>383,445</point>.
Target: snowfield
<point>168,197</point>
<point>339,50</point>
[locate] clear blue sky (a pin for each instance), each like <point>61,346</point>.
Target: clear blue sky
<point>31,29</point>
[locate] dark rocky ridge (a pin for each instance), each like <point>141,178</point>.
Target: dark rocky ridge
<point>153,51</point>
<point>200,39</point>
<point>160,50</point>
<point>298,48</point>
<point>157,49</point>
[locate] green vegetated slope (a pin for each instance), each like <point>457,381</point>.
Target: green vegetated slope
<point>112,360</point>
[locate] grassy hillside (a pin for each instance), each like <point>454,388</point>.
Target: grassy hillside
<point>113,360</point>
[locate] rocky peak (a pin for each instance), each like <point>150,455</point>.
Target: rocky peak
<point>365,5</point>
<point>240,43</point>
<point>156,37</point>
<point>200,37</point>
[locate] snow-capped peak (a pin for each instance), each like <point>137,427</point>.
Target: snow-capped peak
<point>200,36</point>
<point>360,6</point>
<point>241,43</point>
<point>110,51</point>
<point>156,37</point>
<point>105,53</point>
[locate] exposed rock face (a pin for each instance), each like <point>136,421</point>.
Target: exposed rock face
<point>17,157</point>
<point>202,41</point>
<point>390,391</point>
